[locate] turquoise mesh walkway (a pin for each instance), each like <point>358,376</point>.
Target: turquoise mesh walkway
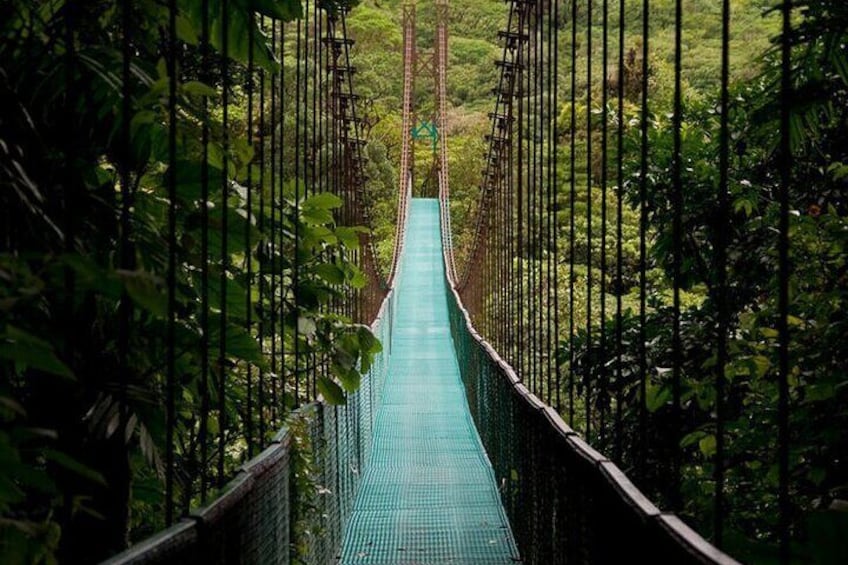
<point>429,494</point>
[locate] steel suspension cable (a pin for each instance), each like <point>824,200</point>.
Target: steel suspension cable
<point>308,155</point>
<point>719,508</point>
<point>280,404</point>
<point>787,99</point>
<point>619,237</point>
<point>553,394</point>
<point>530,99</point>
<point>274,204</point>
<point>554,139</point>
<point>248,246</point>
<point>222,331</point>
<point>204,258</point>
<point>603,398</point>
<point>170,339</point>
<point>643,229</point>
<point>297,196</point>
<point>126,250</point>
<point>263,256</point>
<point>673,492</point>
<point>572,200</point>
<point>587,370</point>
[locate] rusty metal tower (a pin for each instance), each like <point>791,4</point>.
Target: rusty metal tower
<point>429,64</point>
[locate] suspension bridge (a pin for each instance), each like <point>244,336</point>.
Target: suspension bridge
<point>469,434</point>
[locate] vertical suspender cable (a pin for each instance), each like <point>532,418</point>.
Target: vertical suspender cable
<point>619,238</point>
<point>721,286</point>
<point>500,256</point>
<point>170,375</point>
<point>519,171</point>
<point>126,253</point>
<point>533,141</point>
<point>506,179</point>
<point>315,109</point>
<point>643,228</point>
<point>68,224</point>
<point>356,155</point>
<point>603,398</point>
<point>786,162</point>
<point>248,255</point>
<point>526,140</point>
<point>222,331</point>
<point>530,135</point>
<point>587,375</point>
<point>263,254</point>
<point>542,135</point>
<point>572,201</point>
<point>280,404</point>
<point>307,181</point>
<point>297,196</point>
<point>316,139</point>
<point>677,252</point>
<point>275,223</point>
<point>554,47</point>
<point>279,233</point>
<point>544,181</point>
<point>551,187</point>
<point>204,253</point>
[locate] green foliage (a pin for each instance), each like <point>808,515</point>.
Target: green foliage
<point>307,490</point>
<point>78,478</point>
<point>472,73</point>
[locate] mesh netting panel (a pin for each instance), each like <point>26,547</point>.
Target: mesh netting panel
<point>566,503</point>
<point>247,523</point>
<point>341,441</point>
<point>267,507</point>
<point>428,494</point>
<point>177,544</point>
<point>224,524</point>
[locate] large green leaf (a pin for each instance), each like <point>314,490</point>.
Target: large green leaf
<point>71,464</point>
<point>368,341</point>
<point>330,273</point>
<point>190,180</point>
<point>322,201</point>
<point>190,24</point>
<point>656,396</point>
<point>28,351</point>
<point>349,236</point>
<point>332,392</point>
<point>142,287</point>
<point>239,344</point>
<point>236,298</point>
<point>350,380</point>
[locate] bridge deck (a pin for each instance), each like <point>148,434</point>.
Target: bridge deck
<point>429,494</point>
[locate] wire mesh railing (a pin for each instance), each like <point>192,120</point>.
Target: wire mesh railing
<point>291,502</point>
<point>566,502</point>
